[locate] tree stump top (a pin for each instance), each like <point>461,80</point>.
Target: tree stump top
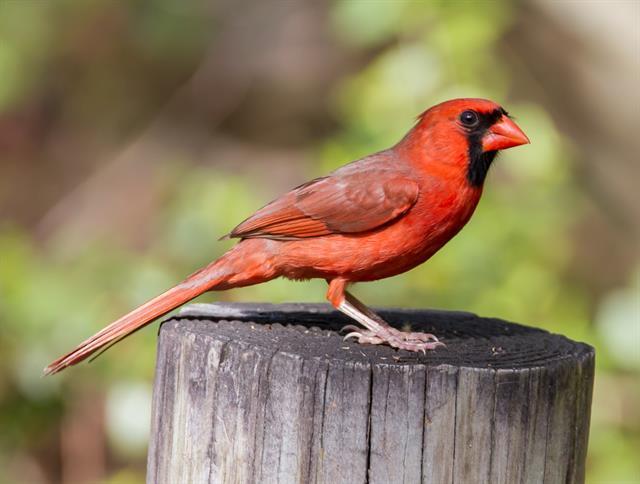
<point>312,331</point>
<point>272,394</point>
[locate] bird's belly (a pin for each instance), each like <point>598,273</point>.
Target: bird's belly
<point>386,252</point>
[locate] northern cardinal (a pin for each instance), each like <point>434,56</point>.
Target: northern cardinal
<point>373,218</point>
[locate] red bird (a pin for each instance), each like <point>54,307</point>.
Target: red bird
<point>373,218</point>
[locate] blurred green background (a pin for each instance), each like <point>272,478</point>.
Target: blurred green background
<point>134,133</point>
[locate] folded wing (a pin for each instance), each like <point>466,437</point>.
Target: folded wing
<point>342,203</point>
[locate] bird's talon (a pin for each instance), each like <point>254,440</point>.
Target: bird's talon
<point>416,342</point>
<point>354,334</point>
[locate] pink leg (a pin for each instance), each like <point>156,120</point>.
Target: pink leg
<point>378,331</point>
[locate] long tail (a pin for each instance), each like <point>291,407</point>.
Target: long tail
<point>231,270</point>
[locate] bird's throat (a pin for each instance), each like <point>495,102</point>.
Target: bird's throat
<point>480,160</point>
<point>479,163</point>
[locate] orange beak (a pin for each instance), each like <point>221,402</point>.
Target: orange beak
<point>502,135</point>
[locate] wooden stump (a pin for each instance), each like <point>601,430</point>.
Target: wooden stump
<point>271,394</point>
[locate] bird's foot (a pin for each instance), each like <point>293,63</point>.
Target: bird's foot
<point>394,338</point>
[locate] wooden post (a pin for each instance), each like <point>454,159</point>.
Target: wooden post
<point>271,394</point>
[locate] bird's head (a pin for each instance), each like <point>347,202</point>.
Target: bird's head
<point>468,132</point>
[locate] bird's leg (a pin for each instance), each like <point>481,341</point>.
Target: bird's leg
<point>379,331</point>
<point>415,336</point>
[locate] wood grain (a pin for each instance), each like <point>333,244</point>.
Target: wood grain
<point>271,394</point>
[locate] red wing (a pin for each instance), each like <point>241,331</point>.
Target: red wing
<point>338,204</point>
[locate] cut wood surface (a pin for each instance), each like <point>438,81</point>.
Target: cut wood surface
<point>258,393</point>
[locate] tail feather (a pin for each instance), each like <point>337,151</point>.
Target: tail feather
<point>133,321</point>
<point>249,262</point>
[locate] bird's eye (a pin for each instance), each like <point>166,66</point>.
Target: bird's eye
<point>469,119</point>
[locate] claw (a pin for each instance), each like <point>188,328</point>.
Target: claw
<point>377,330</point>
<point>396,339</point>
<point>354,334</point>
<point>364,337</point>
<point>425,337</point>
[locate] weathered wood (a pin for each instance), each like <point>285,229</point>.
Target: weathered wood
<point>271,394</point>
